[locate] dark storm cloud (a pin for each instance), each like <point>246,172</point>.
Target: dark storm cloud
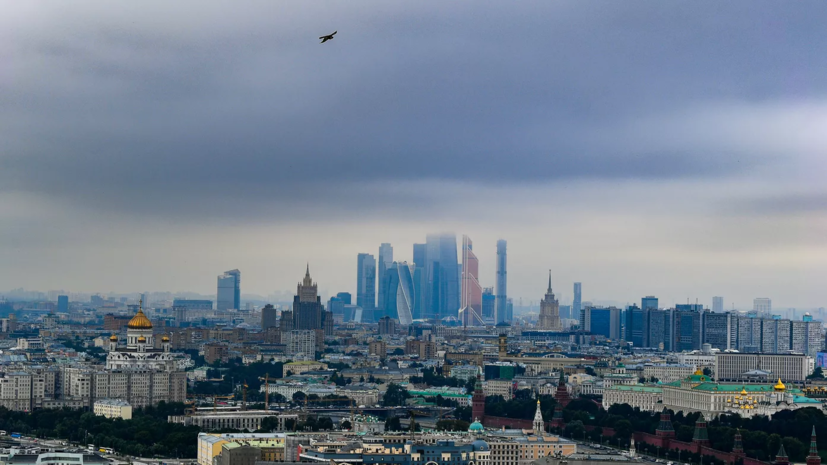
<point>176,111</point>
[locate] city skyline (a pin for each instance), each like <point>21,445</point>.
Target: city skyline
<point>616,145</point>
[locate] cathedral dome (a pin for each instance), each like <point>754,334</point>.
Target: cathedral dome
<point>165,339</point>
<point>113,338</point>
<point>139,321</point>
<point>141,340</point>
<point>780,386</point>
<point>476,427</point>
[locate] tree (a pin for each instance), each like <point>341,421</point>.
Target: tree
<point>395,396</point>
<point>393,424</point>
<point>574,429</point>
<point>299,397</point>
<point>345,425</point>
<point>590,371</point>
<point>707,371</point>
<point>398,351</point>
<point>818,373</point>
<point>452,425</point>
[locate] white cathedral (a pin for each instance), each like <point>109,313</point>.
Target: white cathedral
<point>140,352</point>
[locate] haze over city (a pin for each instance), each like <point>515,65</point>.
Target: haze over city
<point>638,148</point>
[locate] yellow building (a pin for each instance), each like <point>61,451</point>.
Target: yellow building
<point>209,445</point>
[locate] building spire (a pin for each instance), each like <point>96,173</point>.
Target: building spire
<point>307,273</point>
<point>549,281</point>
<point>539,425</point>
<point>813,458</point>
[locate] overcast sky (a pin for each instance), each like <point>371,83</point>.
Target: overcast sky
<point>669,148</point>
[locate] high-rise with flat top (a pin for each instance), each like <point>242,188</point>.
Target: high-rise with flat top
<point>762,306</point>
<point>501,284</point>
<point>441,276</point>
<point>385,262</point>
<point>366,285</point>
<point>717,304</point>
<point>649,302</point>
<point>229,291</point>
<point>577,303</point>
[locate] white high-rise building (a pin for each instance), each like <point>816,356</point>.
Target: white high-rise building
<point>762,306</point>
<point>717,304</point>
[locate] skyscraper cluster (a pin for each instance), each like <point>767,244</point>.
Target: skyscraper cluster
<point>436,285</point>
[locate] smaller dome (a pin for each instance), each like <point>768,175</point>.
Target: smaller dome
<point>113,338</point>
<point>743,391</point>
<point>699,372</point>
<point>141,339</point>
<point>779,386</point>
<point>479,445</point>
<point>476,427</point>
<point>165,339</point>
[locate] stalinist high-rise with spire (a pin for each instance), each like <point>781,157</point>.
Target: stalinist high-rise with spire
<point>549,310</point>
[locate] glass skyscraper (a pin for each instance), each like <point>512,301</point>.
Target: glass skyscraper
<point>471,297</point>
<point>385,262</point>
<point>649,302</point>
<point>229,291</point>
<point>366,285</point>
<point>501,284</point>
<point>577,303</point>
<point>441,276</point>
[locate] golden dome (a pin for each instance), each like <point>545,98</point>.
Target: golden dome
<point>698,372</point>
<point>139,321</point>
<point>141,339</point>
<point>165,339</point>
<point>744,391</point>
<point>113,338</point>
<point>779,386</point>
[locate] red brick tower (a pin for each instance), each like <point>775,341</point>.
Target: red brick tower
<point>562,394</point>
<point>813,458</point>
<point>478,402</point>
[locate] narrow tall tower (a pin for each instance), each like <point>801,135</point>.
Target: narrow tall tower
<point>500,291</point>
<point>478,402</point>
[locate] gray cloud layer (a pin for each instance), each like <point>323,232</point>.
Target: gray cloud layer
<point>225,115</point>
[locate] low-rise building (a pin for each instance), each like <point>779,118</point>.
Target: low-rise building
<point>113,408</point>
<point>647,398</point>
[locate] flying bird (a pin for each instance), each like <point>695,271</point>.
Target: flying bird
<point>326,38</point>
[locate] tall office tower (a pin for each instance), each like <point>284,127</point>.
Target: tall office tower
<point>63,304</point>
<point>602,321</point>
<point>336,306</point>
<point>501,284</point>
<point>471,297</point>
<point>549,310</point>
<point>385,262</point>
<point>775,336</point>
<point>441,276</point>
<point>269,317</point>
<point>806,336</point>
<point>366,285</point>
<point>717,304</point>
<point>763,306</point>
<point>717,330</point>
<point>577,303</point>
<point>387,305</point>
<point>307,305</point>
<point>637,326</point>
<point>749,334</point>
<point>345,297</point>
<point>509,311</point>
<point>649,302</point>
<point>489,301</point>
<point>419,254</point>
<point>687,330</point>
<point>229,291</point>
<point>661,328</point>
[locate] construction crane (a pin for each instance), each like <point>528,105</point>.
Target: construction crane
<point>413,414</point>
<point>266,391</point>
